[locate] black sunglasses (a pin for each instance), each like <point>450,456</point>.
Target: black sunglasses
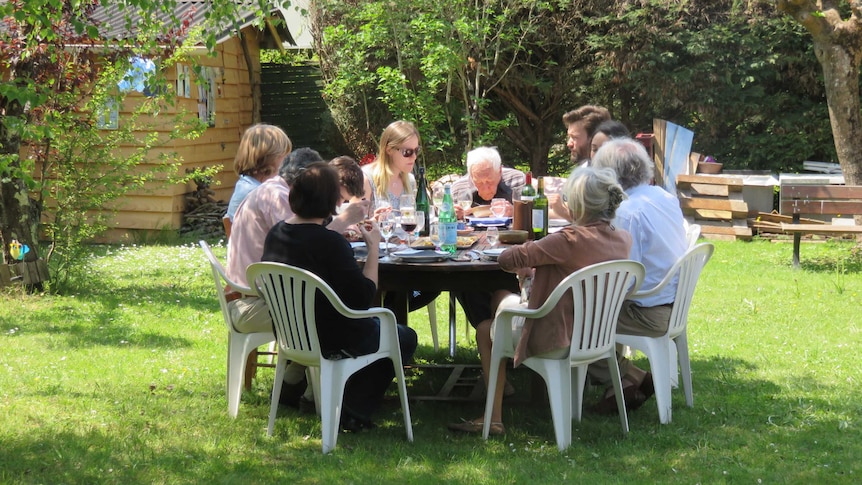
<point>409,152</point>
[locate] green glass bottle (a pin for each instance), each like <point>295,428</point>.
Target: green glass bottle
<point>422,201</point>
<point>448,222</point>
<point>540,212</point>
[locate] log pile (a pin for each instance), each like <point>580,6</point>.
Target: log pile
<point>203,214</point>
<point>205,220</point>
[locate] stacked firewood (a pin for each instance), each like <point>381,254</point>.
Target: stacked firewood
<point>203,214</point>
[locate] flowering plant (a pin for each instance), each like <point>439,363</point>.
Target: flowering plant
<point>709,159</point>
<point>368,158</point>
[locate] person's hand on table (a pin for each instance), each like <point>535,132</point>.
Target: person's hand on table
<point>510,209</point>
<point>355,212</point>
<point>380,213</point>
<point>460,213</point>
<point>371,234</point>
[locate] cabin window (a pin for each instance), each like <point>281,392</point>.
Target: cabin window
<point>207,82</point>
<point>109,116</point>
<point>184,81</point>
<point>139,76</point>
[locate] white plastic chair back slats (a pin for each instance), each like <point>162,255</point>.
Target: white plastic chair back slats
<point>595,316</point>
<point>290,293</point>
<point>240,345</point>
<point>598,291</point>
<point>692,233</point>
<point>291,315</point>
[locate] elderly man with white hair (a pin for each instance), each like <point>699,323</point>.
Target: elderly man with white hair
<point>654,219</point>
<point>487,179</point>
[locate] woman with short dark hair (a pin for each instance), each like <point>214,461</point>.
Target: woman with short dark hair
<point>303,241</point>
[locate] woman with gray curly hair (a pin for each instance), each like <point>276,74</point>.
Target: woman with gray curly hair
<point>592,196</point>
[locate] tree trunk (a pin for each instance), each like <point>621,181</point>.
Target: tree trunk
<point>841,76</point>
<point>18,214</point>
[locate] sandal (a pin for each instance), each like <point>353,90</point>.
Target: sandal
<point>475,427</point>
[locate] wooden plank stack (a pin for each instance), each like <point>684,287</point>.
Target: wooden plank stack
<point>29,273</point>
<point>716,204</point>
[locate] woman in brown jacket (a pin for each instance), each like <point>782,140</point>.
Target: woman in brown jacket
<point>591,197</point>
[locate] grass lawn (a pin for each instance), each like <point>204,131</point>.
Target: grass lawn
<point>123,381</point>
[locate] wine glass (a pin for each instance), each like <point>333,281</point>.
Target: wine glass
<point>465,203</point>
<point>498,207</point>
<point>409,221</point>
<point>420,222</point>
<point>437,198</point>
<point>406,203</point>
<point>492,235</point>
<point>387,226</point>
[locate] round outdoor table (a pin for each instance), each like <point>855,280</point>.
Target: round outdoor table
<point>458,274</point>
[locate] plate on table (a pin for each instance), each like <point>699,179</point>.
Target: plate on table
<point>361,245</point>
<point>558,223</point>
<point>493,253</point>
<point>481,211</point>
<point>466,231</point>
<point>421,255</point>
<point>489,221</point>
<point>464,242</point>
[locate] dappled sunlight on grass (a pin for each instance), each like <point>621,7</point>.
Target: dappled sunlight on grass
<point>123,380</point>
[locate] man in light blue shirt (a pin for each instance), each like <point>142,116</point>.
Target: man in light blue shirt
<point>655,221</point>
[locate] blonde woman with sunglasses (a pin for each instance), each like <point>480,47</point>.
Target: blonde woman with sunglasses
<point>391,173</point>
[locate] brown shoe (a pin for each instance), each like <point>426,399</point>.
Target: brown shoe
<point>632,395</point>
<point>475,427</point>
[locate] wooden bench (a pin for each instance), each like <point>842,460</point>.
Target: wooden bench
<point>819,200</point>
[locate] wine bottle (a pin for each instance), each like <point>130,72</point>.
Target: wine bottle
<point>523,207</point>
<point>528,192</point>
<point>540,212</point>
<point>422,201</point>
<point>448,222</point>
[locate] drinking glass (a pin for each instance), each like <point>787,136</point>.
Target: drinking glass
<point>434,235</point>
<point>465,203</point>
<point>409,222</point>
<point>420,222</point>
<point>387,226</point>
<point>492,235</point>
<point>437,198</point>
<point>498,207</point>
<point>407,202</point>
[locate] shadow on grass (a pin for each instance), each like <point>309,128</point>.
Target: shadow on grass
<point>737,423</point>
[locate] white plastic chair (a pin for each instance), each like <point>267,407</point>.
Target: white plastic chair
<point>290,293</point>
<point>239,345</point>
<point>599,291</point>
<point>692,233</point>
<point>664,352</point>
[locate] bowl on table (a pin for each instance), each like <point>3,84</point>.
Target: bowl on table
<point>481,211</point>
<point>514,236</point>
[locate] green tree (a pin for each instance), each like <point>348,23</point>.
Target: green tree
<point>468,73</point>
<point>738,73</point>
<point>58,68</point>
<point>836,32</point>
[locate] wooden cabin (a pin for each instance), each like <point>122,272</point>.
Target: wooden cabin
<point>230,105</point>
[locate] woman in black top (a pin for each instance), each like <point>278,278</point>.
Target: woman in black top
<point>304,241</point>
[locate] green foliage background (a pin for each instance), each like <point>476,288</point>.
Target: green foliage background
<point>740,74</point>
